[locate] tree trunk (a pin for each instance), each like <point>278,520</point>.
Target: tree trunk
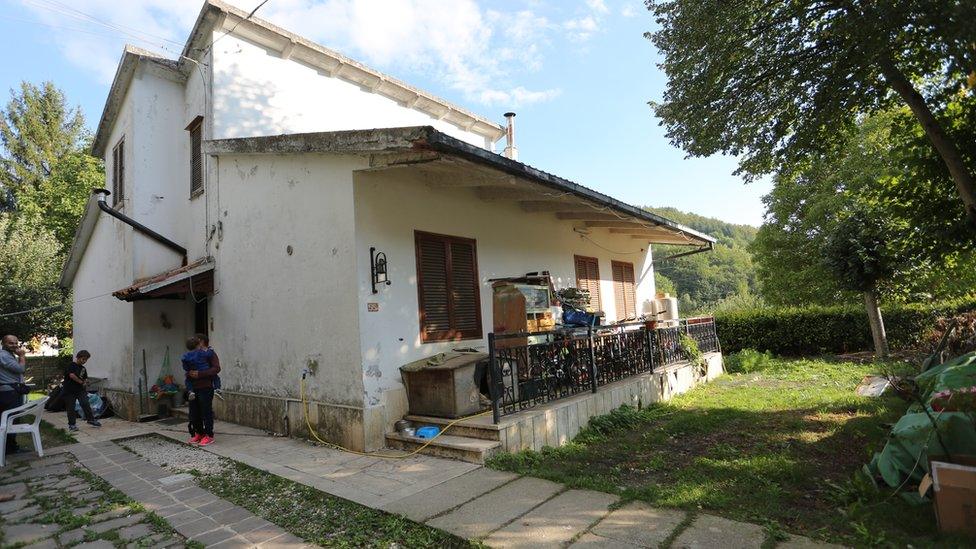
<point>947,150</point>
<point>877,324</point>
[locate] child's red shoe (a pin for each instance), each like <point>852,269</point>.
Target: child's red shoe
<point>206,440</point>
<point>196,439</point>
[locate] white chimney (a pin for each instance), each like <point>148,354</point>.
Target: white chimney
<point>510,150</point>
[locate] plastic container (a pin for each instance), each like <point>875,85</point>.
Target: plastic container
<point>428,432</point>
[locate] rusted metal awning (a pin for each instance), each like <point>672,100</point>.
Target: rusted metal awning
<point>195,278</point>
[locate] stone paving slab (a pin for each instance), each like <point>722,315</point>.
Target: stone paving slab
<point>709,531</point>
<point>555,522</point>
<point>446,496</point>
<point>638,523</point>
<point>593,541</point>
<point>144,482</point>
<point>800,542</point>
<point>481,516</point>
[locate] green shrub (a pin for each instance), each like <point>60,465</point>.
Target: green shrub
<point>822,330</point>
<point>748,361</point>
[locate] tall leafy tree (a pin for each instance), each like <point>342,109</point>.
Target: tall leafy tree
<point>883,167</point>
<point>857,253</point>
<point>30,302</point>
<point>775,81</point>
<point>37,129</point>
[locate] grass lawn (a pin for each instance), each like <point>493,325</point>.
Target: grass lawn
<point>780,444</point>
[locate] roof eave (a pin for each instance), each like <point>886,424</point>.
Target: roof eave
<point>427,137</point>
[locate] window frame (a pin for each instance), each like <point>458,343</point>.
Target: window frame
<point>195,129</point>
<point>596,264</point>
<point>633,274</point>
<point>118,173</point>
<point>452,334</point>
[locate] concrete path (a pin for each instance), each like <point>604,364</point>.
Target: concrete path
<point>501,509</point>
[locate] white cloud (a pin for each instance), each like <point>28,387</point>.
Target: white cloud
<point>628,11</point>
<point>597,6</point>
<point>581,29</point>
<point>480,53</point>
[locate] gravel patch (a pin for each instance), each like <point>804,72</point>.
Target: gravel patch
<point>175,456</point>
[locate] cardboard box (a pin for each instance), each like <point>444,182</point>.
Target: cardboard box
<point>954,486</point>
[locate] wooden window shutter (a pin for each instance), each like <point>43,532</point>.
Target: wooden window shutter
<point>588,278</point>
<point>118,172</point>
<point>196,155</point>
<point>447,287</point>
<point>624,290</point>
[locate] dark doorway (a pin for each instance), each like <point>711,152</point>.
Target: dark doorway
<point>200,317</point>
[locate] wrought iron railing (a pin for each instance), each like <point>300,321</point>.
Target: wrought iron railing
<point>527,369</point>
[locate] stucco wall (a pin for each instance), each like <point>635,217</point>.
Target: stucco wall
<point>259,93</point>
<point>276,313</point>
<point>391,205</point>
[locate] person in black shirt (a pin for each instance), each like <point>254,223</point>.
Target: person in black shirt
<point>75,381</point>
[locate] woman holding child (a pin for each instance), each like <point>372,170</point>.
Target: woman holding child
<point>202,367</point>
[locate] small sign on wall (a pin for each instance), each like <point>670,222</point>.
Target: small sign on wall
<point>373,307</point>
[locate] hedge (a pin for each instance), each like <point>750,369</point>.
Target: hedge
<point>828,330</point>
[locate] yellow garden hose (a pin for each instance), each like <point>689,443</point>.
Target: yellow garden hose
<point>315,435</point>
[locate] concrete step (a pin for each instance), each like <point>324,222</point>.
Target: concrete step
<point>472,450</point>
<point>465,428</point>
<point>180,412</point>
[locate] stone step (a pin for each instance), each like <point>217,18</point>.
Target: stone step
<point>472,450</point>
<point>180,412</point>
<point>464,428</point>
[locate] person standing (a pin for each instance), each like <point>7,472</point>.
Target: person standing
<point>75,388</point>
<point>13,363</point>
<point>202,386</point>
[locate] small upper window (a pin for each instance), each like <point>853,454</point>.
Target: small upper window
<point>196,155</point>
<point>118,172</point>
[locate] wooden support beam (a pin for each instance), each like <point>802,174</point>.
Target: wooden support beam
<point>554,206</point>
<point>663,239</point>
<point>380,161</point>
<point>590,216</point>
<point>616,224</point>
<point>640,231</point>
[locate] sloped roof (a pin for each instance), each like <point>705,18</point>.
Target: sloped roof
<point>214,14</point>
<point>420,139</point>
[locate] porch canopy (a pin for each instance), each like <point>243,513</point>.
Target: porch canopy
<point>193,279</point>
<point>491,176</point>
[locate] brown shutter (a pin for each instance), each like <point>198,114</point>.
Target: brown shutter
<point>588,278</point>
<point>118,172</point>
<point>624,291</point>
<point>196,155</point>
<point>447,287</point>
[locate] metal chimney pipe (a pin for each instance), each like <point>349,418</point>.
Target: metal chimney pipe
<point>103,205</point>
<point>510,150</point>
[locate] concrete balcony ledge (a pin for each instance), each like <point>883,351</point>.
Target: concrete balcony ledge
<point>556,423</point>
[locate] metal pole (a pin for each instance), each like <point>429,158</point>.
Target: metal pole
<point>592,353</point>
<point>494,378</point>
<point>650,349</point>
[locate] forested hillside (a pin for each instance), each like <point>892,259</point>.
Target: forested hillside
<point>704,281</point>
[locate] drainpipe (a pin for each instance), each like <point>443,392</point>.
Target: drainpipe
<point>510,150</point>
<point>103,193</point>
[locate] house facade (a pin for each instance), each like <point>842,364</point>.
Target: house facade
<point>277,170</point>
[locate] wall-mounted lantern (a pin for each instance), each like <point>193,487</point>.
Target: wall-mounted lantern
<point>377,266</point>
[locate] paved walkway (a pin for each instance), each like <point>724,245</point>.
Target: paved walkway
<point>502,509</point>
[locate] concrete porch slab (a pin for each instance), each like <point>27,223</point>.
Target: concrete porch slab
<point>481,516</point>
<point>444,497</point>
<point>639,524</point>
<point>710,531</point>
<point>555,522</point>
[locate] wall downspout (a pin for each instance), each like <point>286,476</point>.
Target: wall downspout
<point>103,193</point>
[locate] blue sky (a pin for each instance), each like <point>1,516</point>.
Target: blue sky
<point>579,75</point>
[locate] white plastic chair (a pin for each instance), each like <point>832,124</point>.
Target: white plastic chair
<point>8,427</point>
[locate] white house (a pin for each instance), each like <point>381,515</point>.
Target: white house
<point>269,168</point>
